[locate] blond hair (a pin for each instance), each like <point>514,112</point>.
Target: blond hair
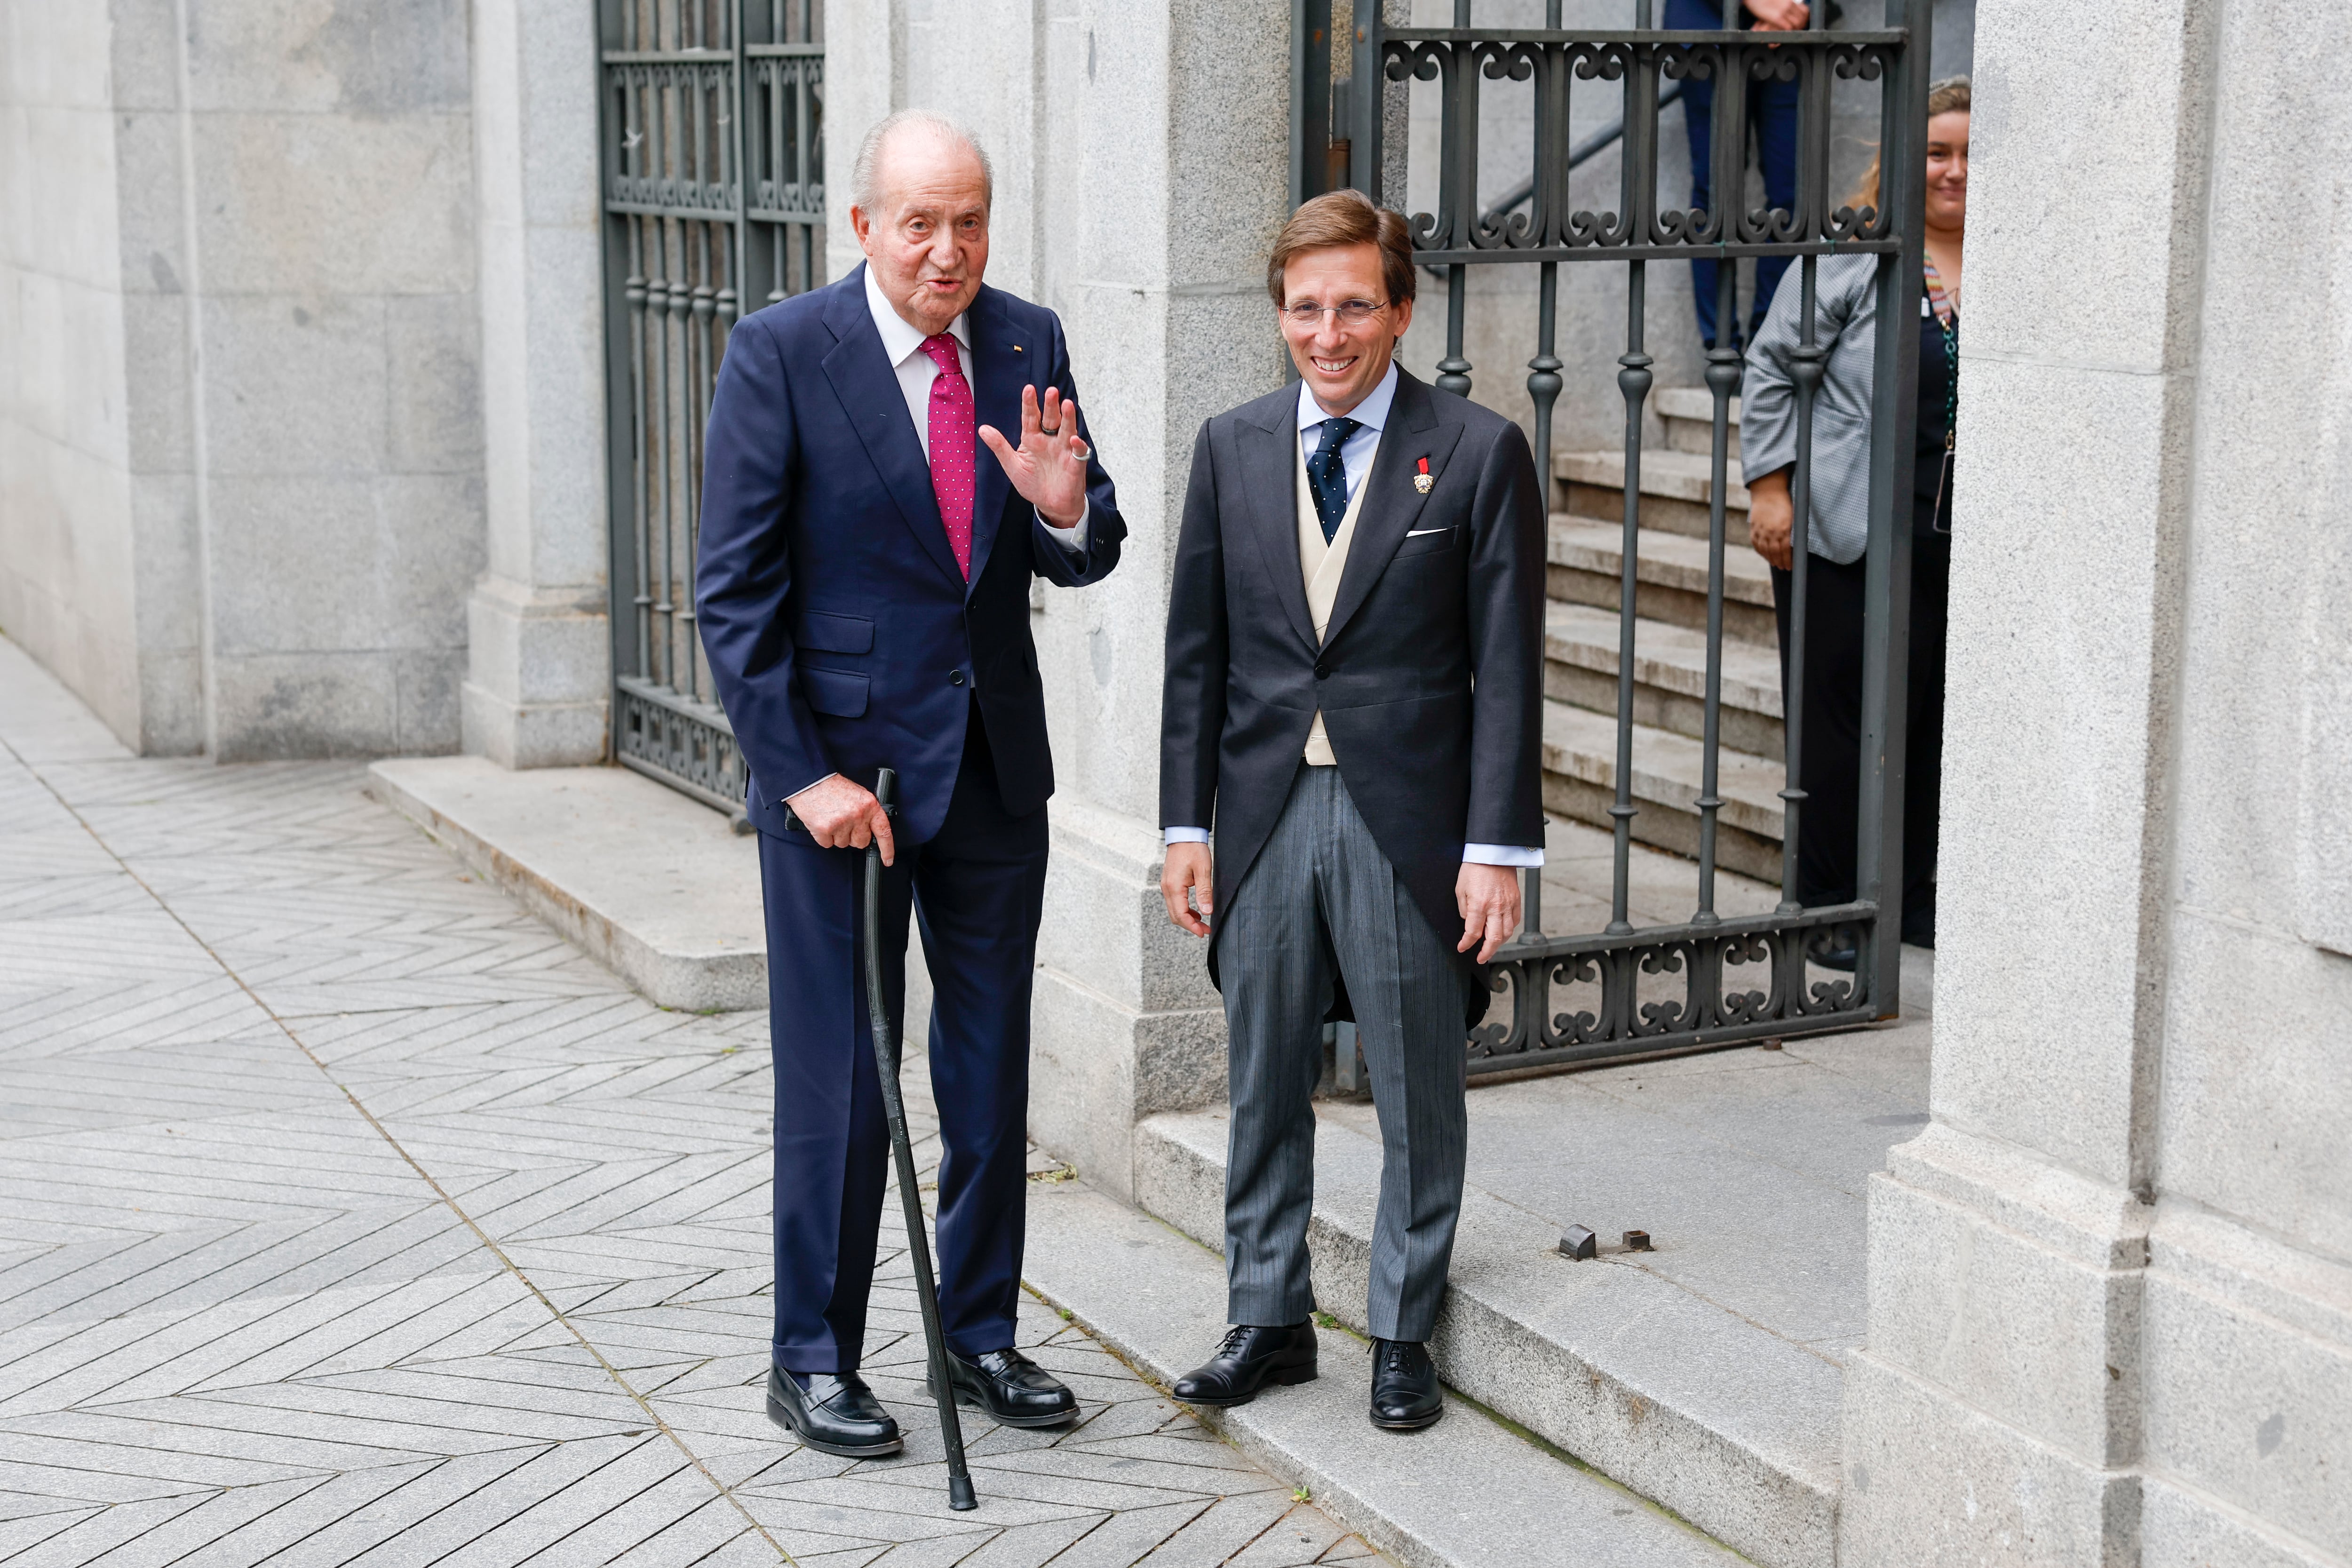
<point>1949,96</point>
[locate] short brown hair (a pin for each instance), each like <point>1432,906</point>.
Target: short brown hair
<point>1345,218</point>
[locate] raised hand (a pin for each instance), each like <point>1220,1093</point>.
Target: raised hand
<point>1049,467</point>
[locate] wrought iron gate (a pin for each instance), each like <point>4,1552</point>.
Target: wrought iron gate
<point>712,126</point>
<point>1621,991</point>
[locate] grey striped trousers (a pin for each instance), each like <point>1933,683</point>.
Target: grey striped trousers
<point>1322,898</point>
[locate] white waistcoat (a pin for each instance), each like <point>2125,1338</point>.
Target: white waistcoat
<point>1322,565</point>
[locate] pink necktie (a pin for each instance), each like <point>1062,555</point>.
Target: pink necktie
<point>952,440</point>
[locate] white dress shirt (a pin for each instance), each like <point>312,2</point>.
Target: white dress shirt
<point>903,341</point>
<point>1356,458</point>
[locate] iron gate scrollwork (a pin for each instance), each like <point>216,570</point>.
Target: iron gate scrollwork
<point>1713,979</point>
<point>712,131</point>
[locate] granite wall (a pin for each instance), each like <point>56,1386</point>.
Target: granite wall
<point>2111,1286</point>
<point>245,500</point>
<point>68,554</point>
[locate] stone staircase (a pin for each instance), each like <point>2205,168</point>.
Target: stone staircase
<point>1584,579</point>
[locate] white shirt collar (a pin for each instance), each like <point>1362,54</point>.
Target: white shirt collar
<point>902,338</point>
<point>1371,413</point>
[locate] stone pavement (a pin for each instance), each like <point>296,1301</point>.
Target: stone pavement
<point>348,1216</point>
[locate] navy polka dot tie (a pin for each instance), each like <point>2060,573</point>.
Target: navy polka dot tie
<point>1326,476</point>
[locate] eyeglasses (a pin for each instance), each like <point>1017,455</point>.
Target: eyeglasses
<point>1351,313</point>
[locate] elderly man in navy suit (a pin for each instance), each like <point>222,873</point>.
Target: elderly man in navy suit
<point>863,593</point>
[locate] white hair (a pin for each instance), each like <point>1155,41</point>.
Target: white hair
<point>863,190</point>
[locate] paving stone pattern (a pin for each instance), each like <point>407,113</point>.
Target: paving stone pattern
<point>348,1216</point>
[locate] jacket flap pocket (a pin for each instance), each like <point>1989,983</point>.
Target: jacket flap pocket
<point>835,633</point>
<point>835,692</point>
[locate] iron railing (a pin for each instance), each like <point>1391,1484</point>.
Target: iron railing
<point>1627,992</point>
<point>712,126</point>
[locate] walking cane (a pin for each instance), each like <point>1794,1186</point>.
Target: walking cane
<point>894,1107</point>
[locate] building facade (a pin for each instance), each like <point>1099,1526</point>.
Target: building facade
<point>304,452</point>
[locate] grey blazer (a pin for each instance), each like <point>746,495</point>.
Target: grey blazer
<point>1430,678</point>
<point>1845,322</point>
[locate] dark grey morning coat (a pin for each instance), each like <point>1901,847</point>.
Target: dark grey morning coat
<point>1431,676</point>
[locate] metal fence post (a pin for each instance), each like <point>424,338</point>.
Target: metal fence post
<point>1365,101</point>
<point>1886,694</point>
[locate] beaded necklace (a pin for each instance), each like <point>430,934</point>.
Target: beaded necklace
<point>1945,304</point>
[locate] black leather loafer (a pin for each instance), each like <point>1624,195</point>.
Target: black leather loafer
<point>1250,1358</point>
<point>833,1415</point>
<point>1405,1395</point>
<point>1012,1389</point>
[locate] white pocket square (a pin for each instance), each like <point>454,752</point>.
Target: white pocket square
<point>1417,532</point>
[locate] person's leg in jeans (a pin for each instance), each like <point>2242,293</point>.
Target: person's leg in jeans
<point>1772,110</point>
<point>1698,107</point>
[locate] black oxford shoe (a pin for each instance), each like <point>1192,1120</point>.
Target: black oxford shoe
<point>1250,1358</point>
<point>1012,1389</point>
<point>833,1415</point>
<point>1405,1395</point>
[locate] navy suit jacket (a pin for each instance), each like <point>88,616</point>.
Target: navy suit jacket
<point>840,636</point>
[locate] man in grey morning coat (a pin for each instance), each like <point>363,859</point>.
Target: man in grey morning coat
<point>1354,701</point>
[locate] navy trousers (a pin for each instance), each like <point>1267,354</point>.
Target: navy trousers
<point>1772,121</point>
<point>976,889</point>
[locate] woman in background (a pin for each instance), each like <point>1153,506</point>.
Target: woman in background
<point>1846,327</point>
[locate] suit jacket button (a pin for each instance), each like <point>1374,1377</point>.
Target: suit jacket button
<point>955,678</point>
<point>1322,672</point>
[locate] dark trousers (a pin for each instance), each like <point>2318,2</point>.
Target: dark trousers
<point>977,888</point>
<point>1830,770</point>
<point>1772,121</point>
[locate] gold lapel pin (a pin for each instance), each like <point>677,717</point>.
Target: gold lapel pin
<point>1422,481</point>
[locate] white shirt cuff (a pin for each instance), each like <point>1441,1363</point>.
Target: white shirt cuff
<point>1183,836</point>
<point>806,788</point>
<point>1073,538</point>
<point>1500,854</point>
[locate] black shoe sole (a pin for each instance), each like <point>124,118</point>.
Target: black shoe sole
<point>1289,1377</point>
<point>780,1413</point>
<point>1413,1425</point>
<point>972,1401</point>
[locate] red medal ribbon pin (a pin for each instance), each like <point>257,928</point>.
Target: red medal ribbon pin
<point>1422,481</point>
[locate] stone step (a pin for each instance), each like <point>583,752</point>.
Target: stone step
<point>1677,488</point>
<point>1580,643</point>
<point>1585,559</point>
<point>654,885</point>
<point>1688,413</point>
<point>1633,1372</point>
<point>1469,1493</point>
<point>1580,762</point>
